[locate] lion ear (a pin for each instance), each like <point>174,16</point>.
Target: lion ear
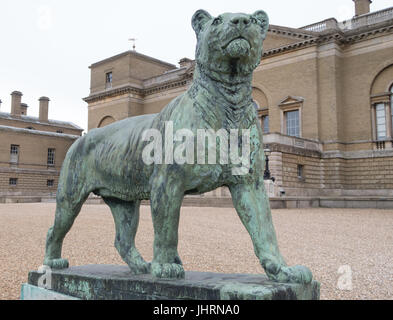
<point>199,20</point>
<point>263,19</point>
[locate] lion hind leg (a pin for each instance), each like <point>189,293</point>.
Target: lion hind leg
<point>126,216</point>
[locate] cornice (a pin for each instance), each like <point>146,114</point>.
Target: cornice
<point>112,93</point>
<point>368,33</point>
<point>291,47</point>
<point>292,32</point>
<point>142,93</point>
<point>166,86</point>
<point>335,35</point>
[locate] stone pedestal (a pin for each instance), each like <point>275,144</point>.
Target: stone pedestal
<point>115,282</point>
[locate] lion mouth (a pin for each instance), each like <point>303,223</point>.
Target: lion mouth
<point>238,47</point>
<point>240,38</point>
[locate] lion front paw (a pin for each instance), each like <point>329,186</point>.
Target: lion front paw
<point>295,274</point>
<point>56,263</point>
<point>167,270</point>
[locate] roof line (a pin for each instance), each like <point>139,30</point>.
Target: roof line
<point>294,32</point>
<point>30,119</point>
<point>39,132</point>
<point>140,55</point>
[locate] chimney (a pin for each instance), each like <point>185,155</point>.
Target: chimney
<point>44,103</point>
<point>16,98</point>
<point>23,109</point>
<point>362,7</point>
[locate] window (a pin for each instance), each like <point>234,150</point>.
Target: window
<point>381,121</point>
<point>300,171</point>
<point>51,157</point>
<point>263,115</point>
<point>291,116</point>
<point>265,124</point>
<point>382,118</point>
<point>108,80</point>
<point>292,123</point>
<point>50,183</point>
<point>13,181</point>
<point>14,153</point>
<point>59,131</point>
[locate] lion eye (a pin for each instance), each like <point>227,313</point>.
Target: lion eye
<point>217,21</point>
<point>253,20</point>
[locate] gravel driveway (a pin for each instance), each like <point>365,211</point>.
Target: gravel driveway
<point>213,239</point>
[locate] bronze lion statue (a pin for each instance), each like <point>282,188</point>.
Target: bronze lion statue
<point>109,161</point>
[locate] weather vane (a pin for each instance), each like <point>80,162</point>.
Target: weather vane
<point>133,41</point>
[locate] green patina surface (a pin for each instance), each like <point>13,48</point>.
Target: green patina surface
<point>108,161</point>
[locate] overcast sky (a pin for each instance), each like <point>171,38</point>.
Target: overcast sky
<point>46,46</point>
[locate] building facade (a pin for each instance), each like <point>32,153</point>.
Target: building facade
<point>324,95</point>
<point>32,151</point>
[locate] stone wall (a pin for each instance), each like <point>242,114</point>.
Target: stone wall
<point>30,182</point>
<point>333,177</point>
<point>311,171</point>
<point>374,174</point>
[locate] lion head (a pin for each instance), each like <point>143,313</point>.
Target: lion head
<point>230,44</point>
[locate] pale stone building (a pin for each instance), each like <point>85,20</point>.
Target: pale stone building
<point>32,150</point>
<point>324,93</point>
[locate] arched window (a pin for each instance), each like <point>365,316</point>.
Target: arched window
<point>381,95</point>
<point>383,113</point>
<point>262,107</point>
<point>105,121</point>
<point>380,115</point>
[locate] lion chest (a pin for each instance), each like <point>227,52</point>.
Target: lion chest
<point>245,168</point>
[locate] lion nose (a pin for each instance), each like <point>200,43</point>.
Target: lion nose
<point>240,21</point>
